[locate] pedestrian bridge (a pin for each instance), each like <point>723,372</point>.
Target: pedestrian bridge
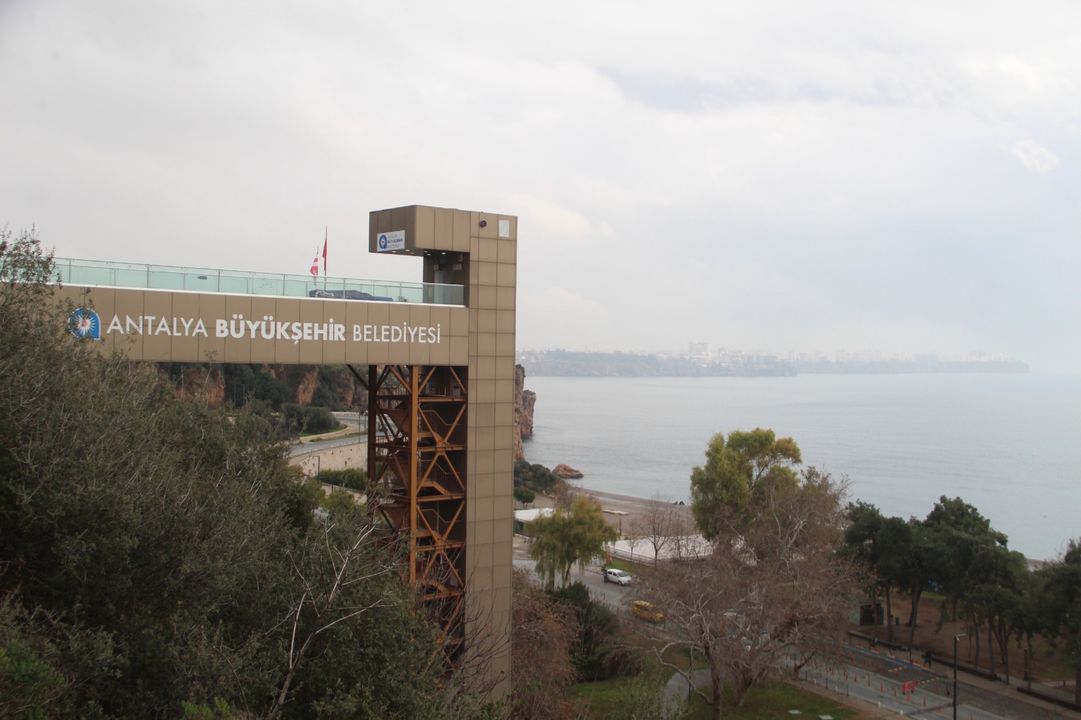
<point>183,314</point>
<point>238,282</point>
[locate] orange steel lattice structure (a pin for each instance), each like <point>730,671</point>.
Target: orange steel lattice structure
<point>417,464</point>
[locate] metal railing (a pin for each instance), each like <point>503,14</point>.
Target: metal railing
<point>167,277</point>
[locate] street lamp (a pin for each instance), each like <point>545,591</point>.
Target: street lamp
<point>956,637</point>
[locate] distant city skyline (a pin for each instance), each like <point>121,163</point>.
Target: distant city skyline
<point>696,349</point>
<point>783,175</point>
<point>699,361</point>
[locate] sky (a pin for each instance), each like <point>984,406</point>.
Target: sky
<point>771,176</point>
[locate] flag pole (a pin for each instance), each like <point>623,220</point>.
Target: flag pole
<point>325,231</point>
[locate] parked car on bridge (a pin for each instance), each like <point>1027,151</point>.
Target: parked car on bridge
<point>347,295</point>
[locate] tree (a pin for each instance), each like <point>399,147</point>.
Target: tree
<point>918,553</point>
<point>535,476</point>
<point>660,524</point>
<point>569,536</point>
<point>960,529</point>
<point>997,593</point>
<point>886,548</point>
<point>544,632</point>
<point>737,470</point>
<point>864,522</point>
<point>1031,615</point>
<point>161,557</point>
<point>774,584</point>
<point>524,494</point>
<point>896,561</point>
<point>599,652</point>
<point>348,478</point>
<point>965,554</point>
<point>1062,597</point>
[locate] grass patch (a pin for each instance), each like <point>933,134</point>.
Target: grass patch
<point>1048,662</point>
<point>604,696</point>
<point>327,432</point>
<point>623,565</point>
<point>772,700</point>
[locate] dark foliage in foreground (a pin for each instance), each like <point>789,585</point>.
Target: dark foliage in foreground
<point>158,559</point>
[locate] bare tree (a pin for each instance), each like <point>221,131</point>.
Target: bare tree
<point>657,525</point>
<point>772,593</point>
<point>544,634</point>
<point>320,606</point>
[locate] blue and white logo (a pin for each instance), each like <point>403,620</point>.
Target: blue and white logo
<point>84,323</point>
<point>390,240</point>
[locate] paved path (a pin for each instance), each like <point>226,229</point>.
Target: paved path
<point>898,687</point>
<point>912,690</point>
<point>614,596</point>
<point>677,690</point>
<point>319,446</point>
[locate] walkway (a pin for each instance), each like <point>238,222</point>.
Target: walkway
<point>901,688</point>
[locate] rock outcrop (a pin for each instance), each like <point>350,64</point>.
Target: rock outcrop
<point>198,383</point>
<point>524,400</point>
<point>306,384</point>
<point>325,386</point>
<point>566,472</point>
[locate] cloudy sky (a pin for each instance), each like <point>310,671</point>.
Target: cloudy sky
<point>899,177</point>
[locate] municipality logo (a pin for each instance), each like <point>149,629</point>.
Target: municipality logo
<point>84,323</point>
<point>382,242</point>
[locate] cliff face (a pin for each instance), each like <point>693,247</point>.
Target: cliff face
<point>198,383</point>
<point>524,400</point>
<point>327,386</point>
<point>307,385</point>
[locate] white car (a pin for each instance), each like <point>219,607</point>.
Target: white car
<point>617,576</point>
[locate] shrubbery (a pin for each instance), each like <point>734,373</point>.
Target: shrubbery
<point>597,654</point>
<point>160,559</point>
<point>350,478</point>
<point>535,476</point>
<point>314,420</point>
<point>524,495</point>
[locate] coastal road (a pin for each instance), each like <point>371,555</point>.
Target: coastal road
<point>309,447</point>
<point>614,596</point>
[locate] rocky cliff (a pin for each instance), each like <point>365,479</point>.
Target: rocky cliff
<point>333,387</point>
<point>524,400</point>
<point>198,383</point>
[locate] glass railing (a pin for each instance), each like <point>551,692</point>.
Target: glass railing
<point>237,282</point>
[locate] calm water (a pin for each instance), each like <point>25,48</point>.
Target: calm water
<point>1005,443</point>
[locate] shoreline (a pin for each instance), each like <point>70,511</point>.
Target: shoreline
<point>621,511</point>
<point>628,507</point>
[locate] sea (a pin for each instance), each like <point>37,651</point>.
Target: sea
<point>1008,444</point>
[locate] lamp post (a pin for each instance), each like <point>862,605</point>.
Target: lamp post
<point>956,637</point>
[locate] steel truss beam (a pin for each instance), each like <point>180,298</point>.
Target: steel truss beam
<point>417,467</point>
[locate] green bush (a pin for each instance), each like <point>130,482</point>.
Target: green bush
<point>303,419</point>
<point>598,655</point>
<point>524,495</point>
<point>243,383</point>
<point>30,685</point>
<point>159,558</point>
<point>350,478</point>
<point>534,476</point>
